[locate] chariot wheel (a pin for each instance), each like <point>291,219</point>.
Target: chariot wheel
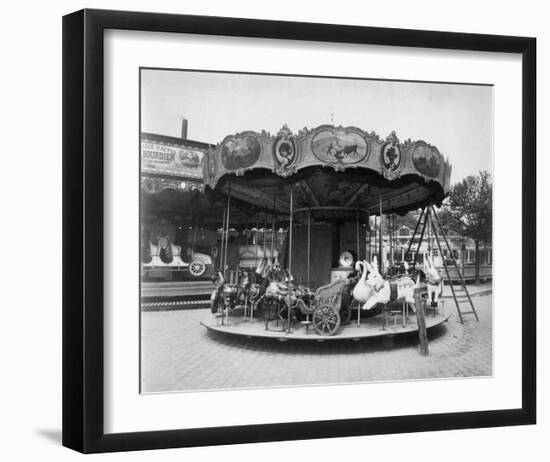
<point>326,320</point>
<point>197,268</point>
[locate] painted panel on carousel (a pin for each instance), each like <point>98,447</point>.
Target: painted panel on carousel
<point>241,151</point>
<point>339,145</point>
<point>390,157</point>
<point>426,159</point>
<point>285,152</point>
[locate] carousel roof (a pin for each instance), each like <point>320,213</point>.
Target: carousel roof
<point>330,169</point>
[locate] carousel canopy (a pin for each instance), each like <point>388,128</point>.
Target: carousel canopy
<point>332,171</point>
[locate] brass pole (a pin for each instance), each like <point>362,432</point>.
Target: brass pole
<point>222,248</point>
<point>289,258</point>
<point>255,241</point>
<point>357,233</point>
<point>308,246</point>
<point>227,229</point>
<point>273,230</point>
<point>263,236</point>
<point>370,243</point>
<point>380,247</point>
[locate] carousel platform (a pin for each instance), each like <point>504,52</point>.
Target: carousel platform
<point>370,327</point>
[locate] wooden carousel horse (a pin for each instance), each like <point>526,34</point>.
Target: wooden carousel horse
<point>227,296</point>
<point>248,293</point>
<point>216,298</point>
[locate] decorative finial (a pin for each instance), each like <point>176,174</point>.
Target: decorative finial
<point>392,137</point>
<point>284,131</point>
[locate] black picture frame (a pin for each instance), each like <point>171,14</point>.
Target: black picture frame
<point>83,207</point>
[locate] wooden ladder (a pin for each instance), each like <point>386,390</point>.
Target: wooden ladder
<point>461,295</point>
<point>420,227</point>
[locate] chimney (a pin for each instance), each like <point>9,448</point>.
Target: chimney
<point>183,129</point>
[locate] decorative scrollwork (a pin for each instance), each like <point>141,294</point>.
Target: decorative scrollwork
<point>285,152</point>
<point>390,157</point>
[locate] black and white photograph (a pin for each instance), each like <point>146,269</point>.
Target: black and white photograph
<point>275,231</point>
<point>309,230</point>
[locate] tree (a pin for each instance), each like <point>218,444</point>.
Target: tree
<point>469,211</point>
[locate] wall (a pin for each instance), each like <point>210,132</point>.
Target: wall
<point>31,301</point>
<point>320,263</point>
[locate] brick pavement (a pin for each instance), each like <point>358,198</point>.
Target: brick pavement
<point>179,354</point>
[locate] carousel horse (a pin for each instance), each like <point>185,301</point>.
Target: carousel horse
<point>434,281</point>
<point>252,286</point>
<point>278,286</point>
<point>399,289</point>
<point>261,268</point>
<point>276,263</point>
<point>216,297</point>
<point>227,296</point>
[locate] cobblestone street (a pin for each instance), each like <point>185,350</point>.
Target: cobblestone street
<point>179,354</point>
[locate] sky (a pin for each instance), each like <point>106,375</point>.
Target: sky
<point>456,118</point>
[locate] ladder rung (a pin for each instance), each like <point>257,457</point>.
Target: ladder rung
<point>468,312</point>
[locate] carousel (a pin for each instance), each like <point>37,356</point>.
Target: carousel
<point>309,208</point>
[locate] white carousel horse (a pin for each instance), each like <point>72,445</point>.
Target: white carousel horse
<point>434,282</point>
<point>400,289</point>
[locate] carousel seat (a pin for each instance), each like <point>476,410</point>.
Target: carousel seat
<point>176,255</point>
<point>154,251</point>
<point>306,322</point>
<point>395,309</point>
<point>434,307</point>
